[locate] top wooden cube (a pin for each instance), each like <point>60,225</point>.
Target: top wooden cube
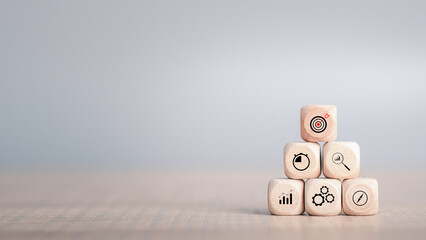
<point>318,123</point>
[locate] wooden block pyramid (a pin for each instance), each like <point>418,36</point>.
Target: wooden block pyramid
<point>340,160</point>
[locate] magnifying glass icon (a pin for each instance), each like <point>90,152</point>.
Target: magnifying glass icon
<point>338,159</point>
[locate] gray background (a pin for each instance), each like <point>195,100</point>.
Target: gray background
<point>206,84</point>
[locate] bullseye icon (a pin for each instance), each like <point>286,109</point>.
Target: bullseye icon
<point>318,124</point>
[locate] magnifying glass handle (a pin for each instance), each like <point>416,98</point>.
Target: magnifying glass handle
<point>346,166</point>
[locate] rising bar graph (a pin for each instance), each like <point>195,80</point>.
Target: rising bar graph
<point>286,199</point>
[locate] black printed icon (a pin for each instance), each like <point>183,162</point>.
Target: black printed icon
<point>338,159</point>
<point>301,161</point>
<point>360,198</point>
<point>318,124</point>
<point>286,199</point>
<point>324,196</point>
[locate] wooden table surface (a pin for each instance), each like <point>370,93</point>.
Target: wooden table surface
<point>192,205</point>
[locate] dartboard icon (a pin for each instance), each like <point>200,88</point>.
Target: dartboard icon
<point>318,124</point>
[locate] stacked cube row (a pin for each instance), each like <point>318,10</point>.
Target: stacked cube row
<point>341,160</point>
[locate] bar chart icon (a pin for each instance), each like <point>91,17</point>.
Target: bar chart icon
<point>286,199</point>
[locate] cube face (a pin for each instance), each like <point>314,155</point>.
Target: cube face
<point>360,196</point>
<point>302,160</point>
<point>341,160</point>
<point>323,197</point>
<point>318,123</point>
<point>285,197</point>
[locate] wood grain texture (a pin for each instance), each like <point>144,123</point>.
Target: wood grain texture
<point>318,123</point>
<point>279,200</point>
<point>192,205</point>
<point>310,156</point>
<point>341,160</point>
<point>323,197</point>
<point>360,196</point>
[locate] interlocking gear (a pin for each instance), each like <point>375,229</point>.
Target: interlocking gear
<point>324,190</point>
<point>319,198</point>
<point>316,197</point>
<point>329,198</point>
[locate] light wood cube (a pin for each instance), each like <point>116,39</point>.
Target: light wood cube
<point>341,160</point>
<point>360,196</point>
<point>285,197</point>
<point>302,160</point>
<point>323,197</point>
<point>318,123</point>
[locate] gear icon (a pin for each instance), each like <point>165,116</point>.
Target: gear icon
<point>318,199</point>
<point>324,190</point>
<point>329,198</point>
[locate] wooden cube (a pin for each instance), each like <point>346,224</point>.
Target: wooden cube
<point>318,123</point>
<point>323,197</point>
<point>360,196</point>
<point>302,160</point>
<point>285,197</point>
<point>341,160</point>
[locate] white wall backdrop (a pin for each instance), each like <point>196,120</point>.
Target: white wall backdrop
<point>207,84</point>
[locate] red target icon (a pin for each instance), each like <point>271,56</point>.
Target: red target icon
<point>318,124</point>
